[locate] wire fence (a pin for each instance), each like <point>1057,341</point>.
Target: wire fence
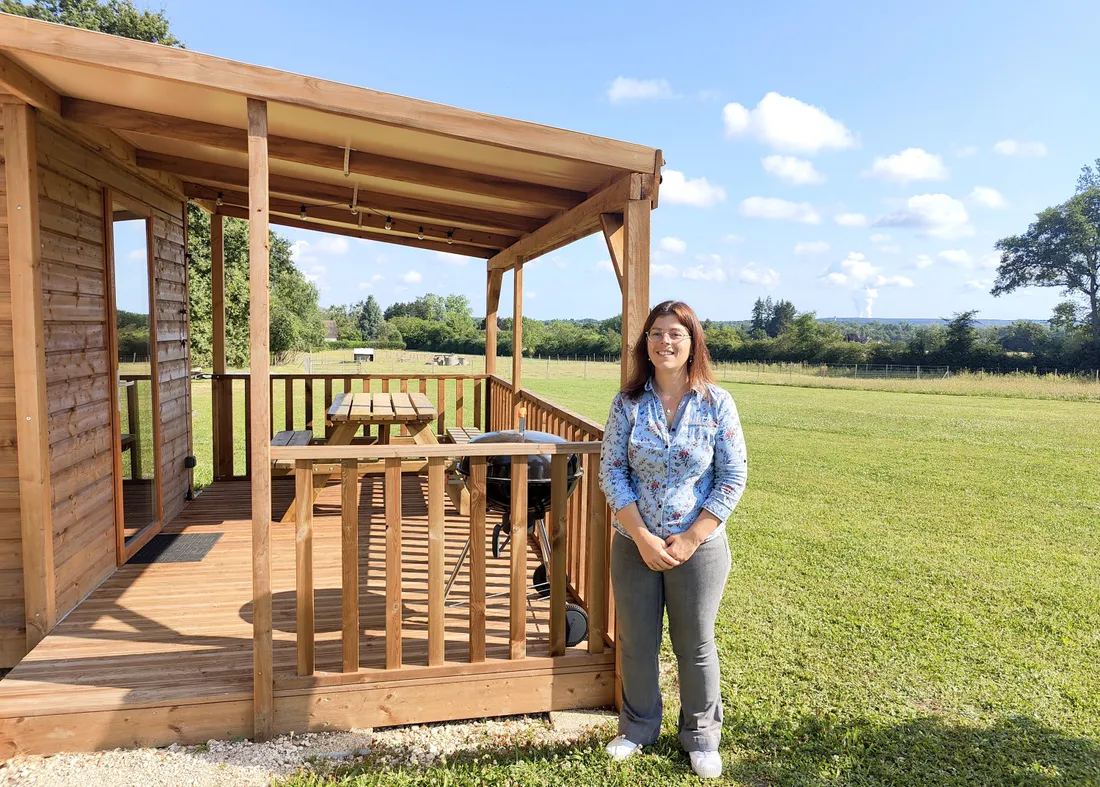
<point>889,371</point>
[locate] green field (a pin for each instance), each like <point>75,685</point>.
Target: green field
<point>915,599</point>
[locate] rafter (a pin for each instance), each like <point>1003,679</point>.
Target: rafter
<point>227,178</point>
<point>362,220</point>
<point>460,249</point>
<point>318,155</point>
<point>25,86</point>
<point>612,224</point>
<point>574,224</point>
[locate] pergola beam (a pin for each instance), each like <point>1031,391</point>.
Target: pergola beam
<point>344,218</point>
<point>574,224</point>
<point>28,88</point>
<point>612,224</point>
<point>319,155</point>
<point>223,178</point>
<point>352,232</point>
<point>492,307</point>
<point>636,239</point>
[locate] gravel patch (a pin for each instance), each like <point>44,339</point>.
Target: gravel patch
<point>248,764</point>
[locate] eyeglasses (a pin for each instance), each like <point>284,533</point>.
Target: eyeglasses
<point>657,335</point>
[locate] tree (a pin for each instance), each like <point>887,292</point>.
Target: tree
<point>371,319</point>
<point>960,335</point>
<point>1060,249</point>
<point>1089,179</point>
<point>117,17</point>
<point>783,314</point>
<point>761,316</point>
<point>1064,318</point>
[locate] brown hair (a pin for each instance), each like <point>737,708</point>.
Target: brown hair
<point>699,369</point>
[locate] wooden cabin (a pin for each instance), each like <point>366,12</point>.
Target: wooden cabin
<point>374,598</point>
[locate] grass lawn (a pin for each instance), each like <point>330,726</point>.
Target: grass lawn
<point>914,600</point>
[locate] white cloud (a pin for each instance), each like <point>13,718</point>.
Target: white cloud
<point>452,259</point>
<point>412,277</point>
<point>890,249</point>
<point>793,170</point>
<point>137,255</point>
<point>811,247</point>
<point>923,261</point>
<point>673,245</point>
<point>966,151</point>
<point>772,208</point>
<point>909,165</point>
<point>705,273</point>
<point>733,238</point>
<point>678,190</point>
<point>934,215</point>
<point>958,257</point>
<point>880,237</point>
<point>307,255</point>
<point>367,285</point>
<point>787,124</point>
<point>990,261</point>
<point>605,265</point>
<point>664,271</point>
<point>851,220</point>
<point>1012,147</point>
<point>857,274</point>
<point>988,198</point>
<point>627,89</point>
<point>754,274</point>
<point>979,285</point>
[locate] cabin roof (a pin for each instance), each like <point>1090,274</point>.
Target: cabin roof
<point>441,178</point>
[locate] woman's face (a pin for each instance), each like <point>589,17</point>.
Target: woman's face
<point>669,344</point>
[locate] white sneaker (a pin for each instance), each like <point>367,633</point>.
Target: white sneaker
<point>706,764</point>
<point>620,748</point>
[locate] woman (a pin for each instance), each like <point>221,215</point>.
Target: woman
<point>673,466</point>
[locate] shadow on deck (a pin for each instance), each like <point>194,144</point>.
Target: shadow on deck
<point>162,653</point>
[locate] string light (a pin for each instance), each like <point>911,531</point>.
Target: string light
<point>218,201</point>
<point>303,213</point>
<point>450,237</point>
<point>389,223</point>
<point>420,233</point>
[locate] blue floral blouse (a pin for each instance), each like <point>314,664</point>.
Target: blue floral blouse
<point>673,474</point>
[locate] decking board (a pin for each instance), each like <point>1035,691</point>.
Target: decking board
<point>169,635</point>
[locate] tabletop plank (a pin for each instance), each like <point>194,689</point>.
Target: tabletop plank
<point>403,409</point>
<point>339,409</point>
<point>360,407</point>
<point>425,410</point>
<point>382,405</point>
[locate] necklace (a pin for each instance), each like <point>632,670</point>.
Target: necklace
<point>665,400</point>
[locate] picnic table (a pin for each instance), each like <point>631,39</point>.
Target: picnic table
<point>351,412</point>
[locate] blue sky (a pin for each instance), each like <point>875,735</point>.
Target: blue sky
<point>852,157</point>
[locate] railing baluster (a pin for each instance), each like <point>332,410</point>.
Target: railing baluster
<point>309,405</point>
<point>404,390</point>
<point>393,563</point>
<point>385,385</point>
<point>558,523</point>
<point>477,403</point>
<point>460,398</point>
<point>247,427</point>
<point>477,559</point>
<point>349,562</point>
<point>435,560</point>
<point>288,402</point>
<point>303,563</point>
<point>441,406</point>
<point>518,589</point>
<point>133,416</point>
<point>328,404</point>
<point>597,590</point>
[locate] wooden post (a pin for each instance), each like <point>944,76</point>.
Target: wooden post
<point>29,363</point>
<point>222,390</point>
<point>259,448</point>
<point>558,523</point>
<point>517,342</point>
<point>477,559</point>
<point>635,279</point>
<point>492,304</point>
<point>303,564</point>
<point>393,563</point>
<point>435,560</point>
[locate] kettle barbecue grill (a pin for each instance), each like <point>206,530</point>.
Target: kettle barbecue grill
<point>498,497</point>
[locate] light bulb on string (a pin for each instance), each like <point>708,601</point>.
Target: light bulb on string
<point>218,201</point>
<point>303,213</point>
<point>450,238</point>
<point>420,233</point>
<point>389,223</point>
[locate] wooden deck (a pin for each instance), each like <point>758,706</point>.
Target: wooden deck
<point>162,653</point>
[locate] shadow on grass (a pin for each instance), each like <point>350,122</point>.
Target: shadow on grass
<point>927,751</point>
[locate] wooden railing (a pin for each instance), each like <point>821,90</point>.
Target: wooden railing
<point>584,542</point>
<point>300,401</point>
<point>562,546</point>
<point>132,439</point>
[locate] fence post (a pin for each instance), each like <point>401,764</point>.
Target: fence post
<point>918,371</point>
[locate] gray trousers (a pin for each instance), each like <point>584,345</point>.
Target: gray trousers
<point>691,593</point>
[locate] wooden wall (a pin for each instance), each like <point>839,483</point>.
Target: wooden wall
<point>13,633</point>
<point>71,179</point>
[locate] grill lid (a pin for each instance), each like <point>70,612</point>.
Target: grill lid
<point>538,466</point>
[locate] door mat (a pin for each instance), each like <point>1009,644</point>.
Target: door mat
<point>176,548</point>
